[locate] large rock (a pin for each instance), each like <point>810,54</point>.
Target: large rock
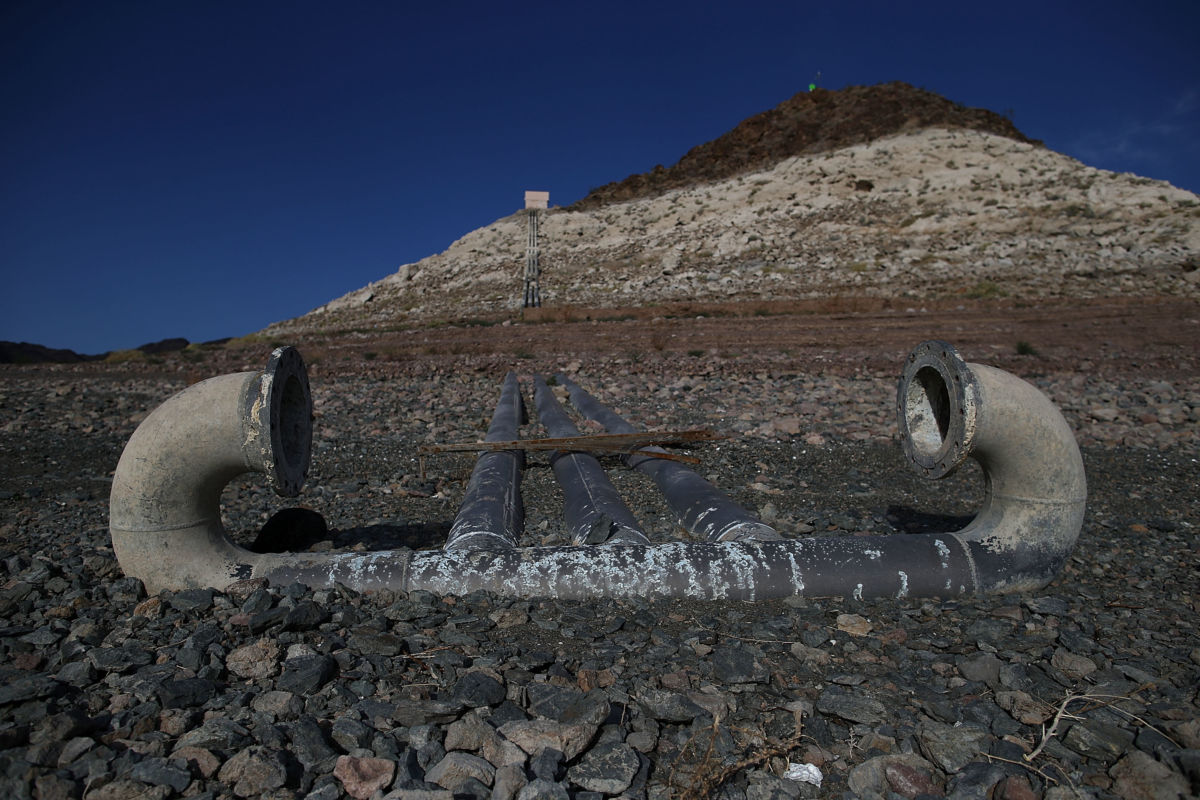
<point>850,705</point>
<point>535,735</point>
<point>666,706</point>
<point>951,747</point>
<point>1138,776</point>
<point>256,660</point>
<point>607,768</point>
<point>457,768</point>
<point>255,771</point>
<point>362,777</point>
<point>906,774</point>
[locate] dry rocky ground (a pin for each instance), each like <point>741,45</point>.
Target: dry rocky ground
<point>278,691</point>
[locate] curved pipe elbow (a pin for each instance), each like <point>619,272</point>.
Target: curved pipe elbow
<point>1035,489</point>
<point>165,506</point>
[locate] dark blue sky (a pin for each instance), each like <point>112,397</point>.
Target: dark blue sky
<point>203,169</point>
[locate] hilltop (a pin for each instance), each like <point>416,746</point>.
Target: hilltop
<point>810,122</point>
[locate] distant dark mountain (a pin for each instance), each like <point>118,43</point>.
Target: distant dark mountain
<point>810,122</point>
<point>28,353</point>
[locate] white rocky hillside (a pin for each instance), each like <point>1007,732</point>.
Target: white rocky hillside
<point>929,213</point>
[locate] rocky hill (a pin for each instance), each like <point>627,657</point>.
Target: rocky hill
<point>811,122</point>
<point>926,212</point>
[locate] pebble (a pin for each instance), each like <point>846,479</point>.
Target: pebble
<point>854,624</point>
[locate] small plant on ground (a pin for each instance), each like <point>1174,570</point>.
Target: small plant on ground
<point>1026,349</point>
<point>985,290</point>
<point>124,356</point>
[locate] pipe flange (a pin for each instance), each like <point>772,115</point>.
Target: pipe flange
<point>937,402</point>
<point>282,405</point>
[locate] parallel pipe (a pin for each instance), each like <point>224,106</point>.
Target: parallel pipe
<point>491,515</point>
<point>170,536</point>
<point>592,506</point>
<point>701,508</point>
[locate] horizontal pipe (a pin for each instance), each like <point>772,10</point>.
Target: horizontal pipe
<point>701,508</point>
<point>921,565</point>
<point>491,515</point>
<point>168,532</point>
<point>592,508</point>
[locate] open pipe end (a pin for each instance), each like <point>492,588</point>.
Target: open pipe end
<point>282,408</point>
<point>937,404</point>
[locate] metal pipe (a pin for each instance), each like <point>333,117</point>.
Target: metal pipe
<point>924,565</point>
<point>491,515</point>
<point>701,508</point>
<point>592,507</point>
<point>170,536</point>
<point>1035,486</point>
<point>165,506</point>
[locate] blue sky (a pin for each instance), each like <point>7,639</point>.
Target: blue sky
<point>204,169</point>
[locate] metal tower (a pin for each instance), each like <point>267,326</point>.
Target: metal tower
<point>534,201</point>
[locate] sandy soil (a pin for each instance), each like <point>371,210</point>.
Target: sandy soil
<point>1117,336</point>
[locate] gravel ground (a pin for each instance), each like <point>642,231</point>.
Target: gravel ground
<point>1087,689</point>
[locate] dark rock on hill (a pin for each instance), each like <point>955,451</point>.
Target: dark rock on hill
<point>165,346</point>
<point>810,122</point>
